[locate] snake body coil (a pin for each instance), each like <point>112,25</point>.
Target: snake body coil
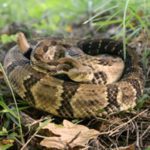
<point>71,99</point>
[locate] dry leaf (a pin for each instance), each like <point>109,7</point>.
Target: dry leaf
<point>68,135</point>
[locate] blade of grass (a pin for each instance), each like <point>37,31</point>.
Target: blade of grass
<point>7,109</point>
<point>15,101</point>
<point>124,27</point>
<point>101,12</point>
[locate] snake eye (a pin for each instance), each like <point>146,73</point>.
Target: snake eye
<point>59,54</point>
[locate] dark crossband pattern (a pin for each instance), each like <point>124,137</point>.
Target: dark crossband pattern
<point>28,83</point>
<point>113,105</point>
<point>69,90</point>
<point>12,66</point>
<point>96,46</point>
<point>136,86</point>
<point>99,77</point>
<point>27,54</point>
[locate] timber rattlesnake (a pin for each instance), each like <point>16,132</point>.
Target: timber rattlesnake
<point>56,86</point>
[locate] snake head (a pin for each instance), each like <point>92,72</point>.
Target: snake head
<point>58,58</point>
<point>75,70</point>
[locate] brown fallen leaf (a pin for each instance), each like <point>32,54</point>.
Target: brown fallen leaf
<point>68,135</point>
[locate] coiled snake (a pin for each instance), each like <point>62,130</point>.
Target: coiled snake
<point>72,80</point>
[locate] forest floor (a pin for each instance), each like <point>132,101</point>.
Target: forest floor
<point>38,130</point>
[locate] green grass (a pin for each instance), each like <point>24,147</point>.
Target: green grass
<point>45,15</point>
<point>53,15</point>
<point>14,115</point>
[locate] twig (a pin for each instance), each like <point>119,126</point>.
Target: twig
<point>24,146</point>
<point>124,124</point>
<point>35,133</point>
<point>148,128</point>
<point>137,136</point>
<point>75,137</point>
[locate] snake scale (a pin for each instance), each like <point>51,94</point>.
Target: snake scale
<point>62,91</point>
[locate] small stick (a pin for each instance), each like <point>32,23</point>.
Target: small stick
<point>116,129</point>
